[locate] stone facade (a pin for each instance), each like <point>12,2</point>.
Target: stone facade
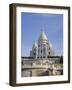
<point>43,49</point>
<point>41,67</point>
<point>42,60</point>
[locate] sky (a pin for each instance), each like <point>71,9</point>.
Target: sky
<point>32,24</point>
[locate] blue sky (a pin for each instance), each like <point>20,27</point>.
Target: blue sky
<point>32,24</point>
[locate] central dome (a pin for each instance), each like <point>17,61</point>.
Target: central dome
<point>43,36</point>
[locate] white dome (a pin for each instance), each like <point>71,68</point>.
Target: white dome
<point>43,36</point>
<point>50,45</point>
<point>35,44</point>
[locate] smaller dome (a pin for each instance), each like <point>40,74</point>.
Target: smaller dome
<point>43,36</point>
<point>35,45</point>
<point>50,45</point>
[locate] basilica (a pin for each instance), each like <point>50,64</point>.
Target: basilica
<point>42,60</point>
<point>43,49</point>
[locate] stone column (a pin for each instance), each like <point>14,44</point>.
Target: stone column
<point>46,51</point>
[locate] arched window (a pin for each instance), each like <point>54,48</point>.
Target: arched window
<point>49,48</point>
<point>34,49</point>
<point>41,50</point>
<point>44,50</point>
<point>34,54</point>
<point>49,53</point>
<point>37,57</point>
<point>43,56</point>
